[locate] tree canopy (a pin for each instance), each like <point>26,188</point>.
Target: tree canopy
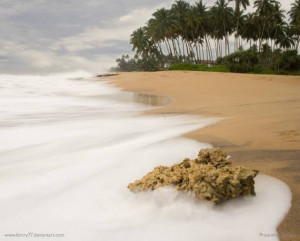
<point>197,34</point>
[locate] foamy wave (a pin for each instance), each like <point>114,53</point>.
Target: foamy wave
<point>67,154</point>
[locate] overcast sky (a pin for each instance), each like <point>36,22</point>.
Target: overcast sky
<point>42,36</point>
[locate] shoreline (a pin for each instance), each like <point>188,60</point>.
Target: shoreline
<point>261,125</point>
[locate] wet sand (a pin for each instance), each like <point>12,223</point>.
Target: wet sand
<point>261,125</point>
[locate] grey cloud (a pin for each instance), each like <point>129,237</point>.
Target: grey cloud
<point>64,35</point>
<point>61,35</point>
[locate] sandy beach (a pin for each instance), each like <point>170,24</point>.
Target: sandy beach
<point>261,125</point>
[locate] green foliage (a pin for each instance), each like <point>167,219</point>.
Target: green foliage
<point>203,67</point>
<point>127,64</point>
<point>289,61</point>
<point>241,61</point>
<point>187,35</point>
<point>148,64</point>
<point>266,61</point>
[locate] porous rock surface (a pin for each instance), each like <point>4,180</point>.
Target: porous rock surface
<point>210,177</point>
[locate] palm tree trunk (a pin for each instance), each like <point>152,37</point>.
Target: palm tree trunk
<point>160,49</point>
<point>237,30</point>
<point>192,51</point>
<point>228,46</point>
<point>187,49</point>
<point>197,51</point>
<point>183,49</point>
<point>210,50</point>
<point>174,47</point>
<point>261,36</point>
<point>177,40</point>
<point>166,43</point>
<point>241,43</point>
<point>220,48</point>
<point>217,48</point>
<point>207,48</point>
<point>234,43</point>
<point>170,48</point>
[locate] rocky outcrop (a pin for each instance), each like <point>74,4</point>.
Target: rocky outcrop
<point>210,177</point>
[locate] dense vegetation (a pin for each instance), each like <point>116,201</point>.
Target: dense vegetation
<point>199,67</point>
<point>266,61</point>
<point>190,36</point>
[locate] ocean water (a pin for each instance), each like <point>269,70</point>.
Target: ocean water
<point>70,144</point>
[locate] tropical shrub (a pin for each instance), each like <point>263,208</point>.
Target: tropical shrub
<point>266,61</point>
<point>241,61</point>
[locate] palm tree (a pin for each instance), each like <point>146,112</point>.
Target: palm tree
<point>161,27</point>
<point>139,40</point>
<point>295,12</point>
<point>183,32</point>
<point>241,18</point>
<point>250,30</point>
<point>142,44</point>
<point>193,34</point>
<point>204,27</point>
<point>238,16</point>
<point>284,38</point>
<point>295,22</point>
<point>277,23</point>
<point>180,9</point>
<point>223,24</point>
<point>264,13</point>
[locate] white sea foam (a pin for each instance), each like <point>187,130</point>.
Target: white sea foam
<point>68,152</point>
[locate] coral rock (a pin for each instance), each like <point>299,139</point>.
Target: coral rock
<point>210,177</point>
